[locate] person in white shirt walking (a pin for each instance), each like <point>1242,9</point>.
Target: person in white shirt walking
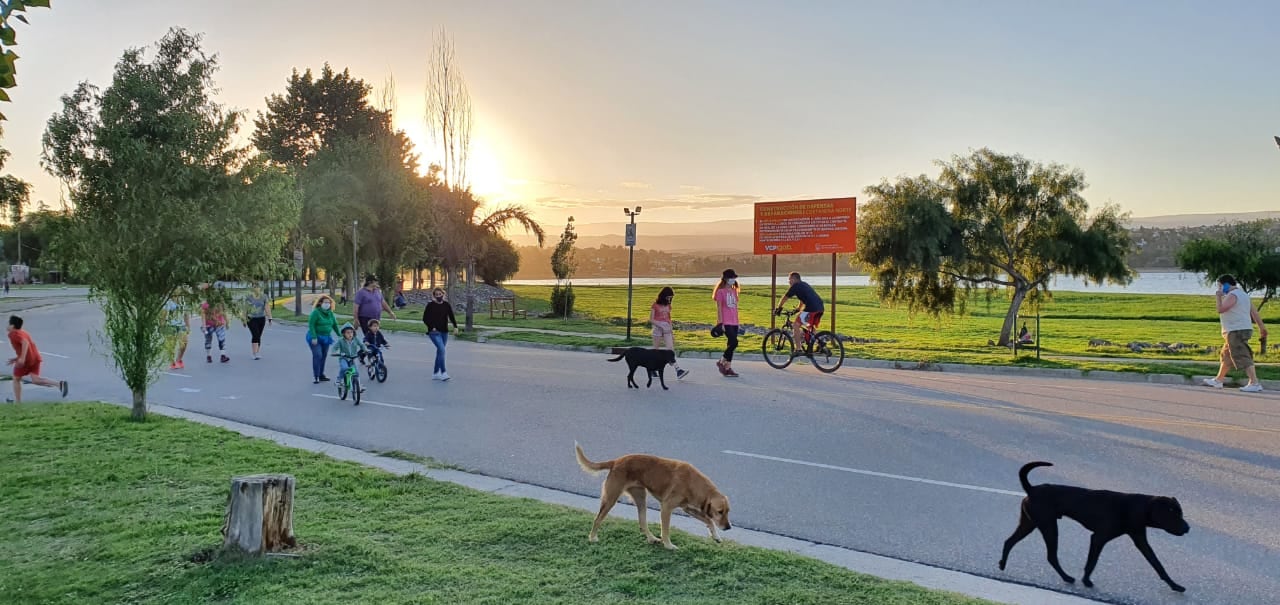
<point>1237,316</point>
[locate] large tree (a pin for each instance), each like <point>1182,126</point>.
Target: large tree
<point>1249,251</point>
<point>989,220</point>
<point>163,200</point>
<point>314,114</point>
<point>448,111</point>
<point>373,180</point>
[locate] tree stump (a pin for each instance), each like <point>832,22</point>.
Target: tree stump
<point>260,514</point>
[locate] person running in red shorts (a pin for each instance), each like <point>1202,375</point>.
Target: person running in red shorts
<point>27,363</point>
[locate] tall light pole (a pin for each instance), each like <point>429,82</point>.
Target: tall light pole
<point>355,271</point>
<point>631,260</point>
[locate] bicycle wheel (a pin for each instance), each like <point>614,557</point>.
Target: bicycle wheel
<point>355,387</point>
<point>372,369</point>
<point>778,348</point>
<point>382,371</point>
<point>342,387</point>
<point>828,352</point>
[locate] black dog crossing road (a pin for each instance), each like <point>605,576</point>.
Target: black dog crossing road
<point>919,466</point>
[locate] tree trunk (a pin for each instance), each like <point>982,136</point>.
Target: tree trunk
<point>260,514</point>
<point>1011,318</point>
<point>139,405</point>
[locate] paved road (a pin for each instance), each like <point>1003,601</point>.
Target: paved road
<point>918,466</point>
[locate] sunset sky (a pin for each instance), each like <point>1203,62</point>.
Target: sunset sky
<point>696,109</point>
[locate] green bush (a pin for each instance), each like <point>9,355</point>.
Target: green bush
<point>562,301</point>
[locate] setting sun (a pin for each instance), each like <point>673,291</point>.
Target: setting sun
<point>486,171</point>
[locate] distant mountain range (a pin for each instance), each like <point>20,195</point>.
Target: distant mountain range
<point>734,236</point>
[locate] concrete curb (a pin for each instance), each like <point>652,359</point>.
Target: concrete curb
<point>893,569</point>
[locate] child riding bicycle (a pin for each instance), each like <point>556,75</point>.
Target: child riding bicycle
<point>348,350</point>
<point>374,339</point>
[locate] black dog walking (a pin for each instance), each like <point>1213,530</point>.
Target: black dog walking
<point>653,360</point>
<point>1107,514</point>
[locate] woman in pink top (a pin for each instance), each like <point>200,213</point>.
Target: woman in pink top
<point>726,297</point>
<point>660,319</point>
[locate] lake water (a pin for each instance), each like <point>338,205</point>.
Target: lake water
<point>1171,282</point>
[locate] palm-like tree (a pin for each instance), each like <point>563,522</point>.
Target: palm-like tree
<point>464,234</point>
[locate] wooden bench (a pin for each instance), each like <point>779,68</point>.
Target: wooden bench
<point>506,307</point>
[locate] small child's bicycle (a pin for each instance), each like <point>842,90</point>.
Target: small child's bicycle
<point>823,348</point>
<point>377,366</point>
<point>349,381</point>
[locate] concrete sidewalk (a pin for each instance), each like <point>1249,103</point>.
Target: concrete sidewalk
<point>884,567</point>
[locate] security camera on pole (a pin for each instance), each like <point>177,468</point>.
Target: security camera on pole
<point>631,260</point>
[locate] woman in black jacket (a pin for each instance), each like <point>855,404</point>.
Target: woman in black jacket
<point>437,317</point>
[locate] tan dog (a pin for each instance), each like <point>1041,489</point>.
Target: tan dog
<point>676,484</point>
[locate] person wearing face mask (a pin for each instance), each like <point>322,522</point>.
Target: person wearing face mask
<point>437,316</point>
<point>321,327</point>
<point>726,297</point>
<point>660,320</point>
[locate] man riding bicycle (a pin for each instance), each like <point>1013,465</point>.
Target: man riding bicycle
<point>810,304</point>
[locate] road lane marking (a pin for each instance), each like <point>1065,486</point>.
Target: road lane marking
<point>189,390</point>
<point>54,355</point>
<point>976,488</point>
<point>178,375</point>
<point>363,401</point>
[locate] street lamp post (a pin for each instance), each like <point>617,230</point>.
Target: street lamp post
<point>631,260</point>
<point>355,271</point>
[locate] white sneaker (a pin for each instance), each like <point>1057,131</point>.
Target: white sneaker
<point>444,376</point>
<point>435,376</point>
<point>1252,388</point>
<point>1212,382</point>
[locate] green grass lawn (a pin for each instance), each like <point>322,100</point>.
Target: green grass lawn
<point>99,509</point>
<point>1069,321</point>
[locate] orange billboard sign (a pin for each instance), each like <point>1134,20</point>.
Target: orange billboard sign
<point>807,226</point>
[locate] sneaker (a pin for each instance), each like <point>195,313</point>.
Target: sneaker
<point>444,376</point>
<point>256,358</point>
<point>728,372</point>
<point>681,373</point>
<point>315,381</point>
<point>173,366</point>
<point>324,378</point>
<point>8,400</point>
<point>435,375</point>
<point>224,358</point>
<point>208,358</point>
<point>1212,382</point>
<point>181,365</point>
<point>62,387</point>
<point>1252,388</point>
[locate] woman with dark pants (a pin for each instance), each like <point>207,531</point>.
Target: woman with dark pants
<point>437,316</point>
<point>258,314</point>
<point>726,297</point>
<point>320,328</point>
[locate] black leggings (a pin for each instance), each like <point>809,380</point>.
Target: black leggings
<point>731,334</point>
<point>256,324</point>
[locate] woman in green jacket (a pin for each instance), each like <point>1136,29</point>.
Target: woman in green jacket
<point>320,326</point>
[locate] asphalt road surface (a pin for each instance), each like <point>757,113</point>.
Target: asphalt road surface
<point>920,466</point>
